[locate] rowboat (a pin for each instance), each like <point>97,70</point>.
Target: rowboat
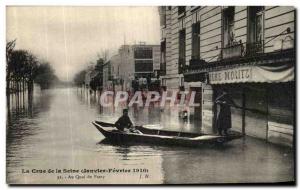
<point>161,137</point>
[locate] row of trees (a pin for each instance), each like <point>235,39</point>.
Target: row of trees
<point>96,82</point>
<point>79,78</point>
<point>94,73</point>
<point>23,69</point>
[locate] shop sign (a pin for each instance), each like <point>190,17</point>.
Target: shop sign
<point>269,74</point>
<point>231,75</point>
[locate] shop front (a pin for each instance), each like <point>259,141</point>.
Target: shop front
<point>264,96</point>
<point>264,93</point>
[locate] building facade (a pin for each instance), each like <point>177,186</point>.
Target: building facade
<point>247,51</point>
<point>135,62</point>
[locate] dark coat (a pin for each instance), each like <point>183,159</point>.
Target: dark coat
<point>123,122</point>
<point>224,112</point>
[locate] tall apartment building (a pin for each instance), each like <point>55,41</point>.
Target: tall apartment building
<point>135,62</point>
<point>248,51</point>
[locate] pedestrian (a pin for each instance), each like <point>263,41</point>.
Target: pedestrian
<point>223,122</point>
<point>185,115</point>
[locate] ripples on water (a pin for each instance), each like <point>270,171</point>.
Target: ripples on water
<point>56,132</point>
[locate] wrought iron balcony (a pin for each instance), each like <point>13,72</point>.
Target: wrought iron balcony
<point>254,48</point>
<point>196,63</point>
<point>233,51</point>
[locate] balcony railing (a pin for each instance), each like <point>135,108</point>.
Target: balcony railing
<point>196,63</point>
<point>232,51</point>
<point>254,48</point>
<point>259,58</point>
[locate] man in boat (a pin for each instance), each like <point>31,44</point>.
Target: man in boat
<point>223,123</point>
<point>124,123</point>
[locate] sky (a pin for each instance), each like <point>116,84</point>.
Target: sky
<point>69,38</point>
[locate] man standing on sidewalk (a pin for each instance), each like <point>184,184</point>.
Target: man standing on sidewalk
<point>224,114</point>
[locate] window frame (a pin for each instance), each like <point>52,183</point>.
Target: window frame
<point>181,11</point>
<point>227,20</point>
<point>196,40</point>
<point>181,49</point>
<point>253,12</point>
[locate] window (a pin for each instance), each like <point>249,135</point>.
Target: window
<point>228,19</point>
<point>181,61</point>
<point>181,10</point>
<point>196,41</point>
<point>143,66</point>
<point>143,53</point>
<point>255,24</point>
<point>255,29</point>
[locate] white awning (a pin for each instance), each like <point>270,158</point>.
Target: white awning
<point>259,73</point>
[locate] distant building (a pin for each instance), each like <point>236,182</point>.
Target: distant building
<point>135,62</point>
<point>248,51</point>
<point>107,76</point>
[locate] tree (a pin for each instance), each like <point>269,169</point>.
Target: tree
<point>79,78</point>
<point>24,67</point>
<point>97,75</point>
<point>9,49</point>
<point>20,67</point>
<point>103,55</point>
<point>95,70</point>
<point>45,76</point>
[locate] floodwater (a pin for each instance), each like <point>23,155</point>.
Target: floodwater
<point>54,142</point>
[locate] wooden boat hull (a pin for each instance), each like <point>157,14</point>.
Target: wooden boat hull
<point>159,137</point>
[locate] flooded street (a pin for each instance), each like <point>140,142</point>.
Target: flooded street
<point>57,134</point>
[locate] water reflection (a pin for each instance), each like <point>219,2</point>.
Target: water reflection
<point>58,134</point>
